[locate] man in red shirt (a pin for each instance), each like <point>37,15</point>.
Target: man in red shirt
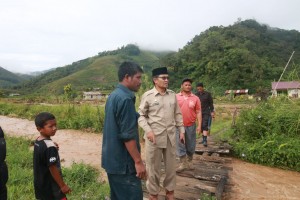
<point>190,107</point>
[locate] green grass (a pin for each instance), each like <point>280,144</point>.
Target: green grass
<point>269,134</point>
<point>84,117</point>
<point>82,179</point>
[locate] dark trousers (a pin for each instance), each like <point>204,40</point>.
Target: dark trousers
<point>3,180</point>
<point>125,187</point>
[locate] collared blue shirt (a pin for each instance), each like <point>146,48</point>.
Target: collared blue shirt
<point>120,125</point>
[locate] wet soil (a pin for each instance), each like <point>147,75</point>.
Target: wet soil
<point>247,181</point>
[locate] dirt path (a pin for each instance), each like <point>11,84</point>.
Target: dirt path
<point>249,181</point>
<point>74,146</point>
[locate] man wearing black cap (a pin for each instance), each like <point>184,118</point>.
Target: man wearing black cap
<point>3,167</point>
<point>190,107</point>
<point>207,108</point>
<point>160,115</point>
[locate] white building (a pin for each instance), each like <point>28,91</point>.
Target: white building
<point>292,88</point>
<point>95,95</point>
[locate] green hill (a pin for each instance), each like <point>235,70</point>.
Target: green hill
<point>8,79</point>
<point>244,55</point>
<point>95,72</point>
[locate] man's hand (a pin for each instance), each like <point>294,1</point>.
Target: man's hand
<point>140,170</point>
<point>212,114</point>
<point>65,189</point>
<point>151,137</point>
<point>182,138</point>
<point>198,130</point>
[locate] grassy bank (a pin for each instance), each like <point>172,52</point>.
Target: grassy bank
<point>69,116</point>
<point>269,134</point>
<point>83,179</point>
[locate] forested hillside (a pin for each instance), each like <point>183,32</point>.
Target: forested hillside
<point>8,79</point>
<point>95,72</point>
<point>244,55</point>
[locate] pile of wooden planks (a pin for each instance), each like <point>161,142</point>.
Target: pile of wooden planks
<point>209,177</point>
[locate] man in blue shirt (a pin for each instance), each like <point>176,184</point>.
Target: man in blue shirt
<point>121,156</point>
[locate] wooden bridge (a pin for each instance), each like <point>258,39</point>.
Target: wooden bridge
<point>210,176</point>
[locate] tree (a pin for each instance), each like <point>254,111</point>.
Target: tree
<point>68,92</point>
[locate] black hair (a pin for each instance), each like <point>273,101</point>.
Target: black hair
<point>199,85</point>
<point>129,68</point>
<point>42,118</point>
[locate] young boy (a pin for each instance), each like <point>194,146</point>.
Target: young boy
<point>48,181</point>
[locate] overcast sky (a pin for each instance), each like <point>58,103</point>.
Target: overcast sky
<point>41,34</point>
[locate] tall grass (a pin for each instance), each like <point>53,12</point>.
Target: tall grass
<point>270,134</point>
<point>82,179</point>
<point>69,116</point>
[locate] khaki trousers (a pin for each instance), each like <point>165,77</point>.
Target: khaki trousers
<point>154,157</point>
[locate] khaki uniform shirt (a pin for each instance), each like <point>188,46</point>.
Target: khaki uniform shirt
<point>160,114</point>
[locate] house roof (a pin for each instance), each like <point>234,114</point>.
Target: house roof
<point>286,85</point>
<point>242,91</point>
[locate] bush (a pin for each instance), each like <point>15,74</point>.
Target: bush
<point>277,116</point>
<point>270,133</point>
<point>272,150</point>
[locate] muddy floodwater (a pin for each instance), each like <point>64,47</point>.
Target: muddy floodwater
<point>247,181</point>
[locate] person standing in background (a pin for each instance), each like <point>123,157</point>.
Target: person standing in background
<point>207,108</point>
<point>190,107</point>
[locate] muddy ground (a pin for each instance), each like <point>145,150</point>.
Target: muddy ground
<point>247,181</point>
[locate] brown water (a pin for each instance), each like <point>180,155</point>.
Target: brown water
<point>248,181</point>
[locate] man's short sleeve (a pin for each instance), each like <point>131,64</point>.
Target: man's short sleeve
<point>127,118</point>
<point>51,155</point>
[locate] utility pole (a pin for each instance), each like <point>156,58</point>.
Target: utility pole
<point>273,93</point>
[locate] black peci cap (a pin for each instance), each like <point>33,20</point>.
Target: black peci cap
<point>158,71</point>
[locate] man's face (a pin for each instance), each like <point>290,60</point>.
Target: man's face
<point>186,86</point>
<point>162,81</point>
<point>200,89</point>
<point>135,82</point>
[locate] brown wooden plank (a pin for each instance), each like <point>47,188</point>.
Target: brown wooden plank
<point>213,159</point>
<point>211,171</point>
<point>211,165</point>
<point>220,187</point>
<point>201,175</point>
<point>212,150</point>
<point>208,188</point>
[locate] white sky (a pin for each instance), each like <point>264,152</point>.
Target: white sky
<point>41,34</point>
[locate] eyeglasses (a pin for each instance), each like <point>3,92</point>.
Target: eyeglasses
<point>164,77</point>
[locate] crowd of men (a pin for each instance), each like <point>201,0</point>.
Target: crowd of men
<point>170,122</point>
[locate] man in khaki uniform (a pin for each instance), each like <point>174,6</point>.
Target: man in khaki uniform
<point>160,115</point>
